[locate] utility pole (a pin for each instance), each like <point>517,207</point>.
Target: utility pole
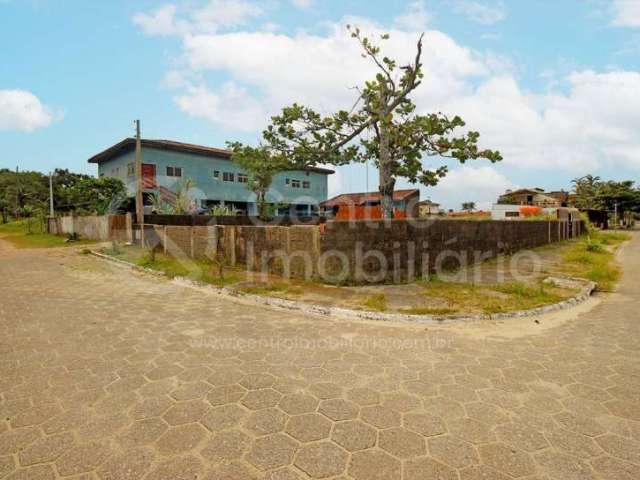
<point>51,213</point>
<point>17,194</point>
<point>139,204</point>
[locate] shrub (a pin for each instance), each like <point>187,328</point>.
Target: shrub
<point>376,302</point>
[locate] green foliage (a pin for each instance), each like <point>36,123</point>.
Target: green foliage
<point>96,195</point>
<point>114,249</point>
<point>22,193</point>
<point>26,194</point>
<point>382,127</point>
<point>261,164</point>
<point>19,235</point>
<point>376,302</point>
<point>159,205</point>
<point>183,203</point>
<point>222,211</point>
<point>592,192</point>
<point>593,258</point>
<point>469,206</point>
<point>594,247</point>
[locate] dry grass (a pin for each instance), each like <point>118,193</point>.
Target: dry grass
<point>199,270</point>
<point>377,303</point>
<point>470,298</point>
<point>593,257</point>
<point>589,257</point>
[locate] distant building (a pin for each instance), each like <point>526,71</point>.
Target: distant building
<point>405,201</point>
<point>428,208</point>
<point>531,196</point>
<point>218,180</point>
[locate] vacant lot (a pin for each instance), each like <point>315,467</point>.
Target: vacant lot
<point>498,285</point>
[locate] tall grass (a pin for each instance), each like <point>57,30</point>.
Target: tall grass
<point>593,258</point>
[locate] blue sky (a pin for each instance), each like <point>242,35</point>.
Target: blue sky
<point>555,85</point>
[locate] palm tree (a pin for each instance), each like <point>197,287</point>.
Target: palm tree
<point>586,190</point>
<point>183,199</point>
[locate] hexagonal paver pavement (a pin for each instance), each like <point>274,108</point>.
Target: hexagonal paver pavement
<point>106,374</point>
<point>402,443</point>
<point>374,465</point>
<point>321,460</point>
<point>272,451</point>
<point>354,435</point>
<point>264,422</point>
<point>225,446</point>
<point>308,427</point>
<point>507,459</point>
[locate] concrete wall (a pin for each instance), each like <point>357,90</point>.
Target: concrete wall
<point>92,227</point>
<point>359,252</point>
<point>289,251</point>
<point>401,250</point>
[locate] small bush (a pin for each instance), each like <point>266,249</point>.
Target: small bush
<point>377,302</point>
<point>594,247</point>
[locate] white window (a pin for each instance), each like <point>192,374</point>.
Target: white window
<point>174,171</point>
<point>243,178</point>
<point>228,176</point>
<point>216,174</point>
<point>131,169</point>
<point>295,183</point>
<point>306,184</point>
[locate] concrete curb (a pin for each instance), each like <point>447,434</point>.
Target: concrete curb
<point>292,305</point>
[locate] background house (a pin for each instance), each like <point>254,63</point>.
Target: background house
<point>217,179</point>
<point>405,201</point>
<point>427,208</point>
<point>530,196</point>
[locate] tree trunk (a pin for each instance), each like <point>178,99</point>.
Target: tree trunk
<point>262,205</point>
<point>387,182</point>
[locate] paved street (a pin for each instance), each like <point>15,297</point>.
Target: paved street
<point>106,374</point>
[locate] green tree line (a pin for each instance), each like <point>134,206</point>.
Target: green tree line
<point>591,192</point>
<point>26,194</point>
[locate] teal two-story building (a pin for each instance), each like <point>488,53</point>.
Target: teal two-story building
<point>218,180</point>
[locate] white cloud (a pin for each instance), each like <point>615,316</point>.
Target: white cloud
<point>591,126</point>
<point>626,13</point>
<point>416,18</point>
<point>302,4</point>
<point>230,107</point>
<point>583,122</point>
<point>214,16</point>
<point>159,22</point>
<point>22,110</point>
<point>322,70</point>
<point>480,12</point>
<point>479,184</point>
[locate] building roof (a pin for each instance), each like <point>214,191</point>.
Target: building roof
<point>428,202</point>
<point>367,197</point>
<point>521,191</point>
<point>129,144</point>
